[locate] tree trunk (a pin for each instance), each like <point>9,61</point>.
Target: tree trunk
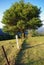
<point>23,35</point>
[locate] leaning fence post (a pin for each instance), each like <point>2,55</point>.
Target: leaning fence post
<point>5,55</point>
<point>17,41</point>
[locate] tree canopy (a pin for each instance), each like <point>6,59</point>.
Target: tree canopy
<point>21,16</point>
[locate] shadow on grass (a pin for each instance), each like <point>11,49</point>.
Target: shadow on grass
<point>26,46</point>
<point>22,52</point>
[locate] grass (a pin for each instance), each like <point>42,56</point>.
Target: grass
<point>36,51</point>
<point>30,53</point>
<point>11,51</point>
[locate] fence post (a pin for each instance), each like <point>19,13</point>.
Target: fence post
<point>17,42</point>
<point>5,55</point>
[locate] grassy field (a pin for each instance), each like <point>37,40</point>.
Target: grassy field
<point>36,51</point>
<point>11,51</point>
<point>31,52</point>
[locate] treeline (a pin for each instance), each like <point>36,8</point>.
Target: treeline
<point>34,33</point>
<point>6,37</point>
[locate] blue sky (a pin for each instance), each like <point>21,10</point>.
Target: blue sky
<point>5,4</point>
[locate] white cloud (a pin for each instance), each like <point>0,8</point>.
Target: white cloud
<point>1,25</point>
<point>42,18</point>
<point>1,15</point>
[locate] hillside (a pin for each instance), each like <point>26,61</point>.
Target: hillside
<point>30,53</point>
<point>1,33</point>
<point>11,51</point>
<point>41,30</point>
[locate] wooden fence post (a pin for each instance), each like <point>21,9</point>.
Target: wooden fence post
<point>5,55</point>
<point>17,42</point>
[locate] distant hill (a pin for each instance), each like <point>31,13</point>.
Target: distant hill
<point>5,36</point>
<point>41,30</point>
<point>1,32</point>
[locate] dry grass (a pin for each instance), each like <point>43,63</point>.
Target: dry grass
<point>32,52</point>
<point>35,40</point>
<point>11,51</point>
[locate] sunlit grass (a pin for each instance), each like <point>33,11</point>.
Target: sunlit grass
<point>34,51</point>
<point>11,51</point>
<point>31,52</point>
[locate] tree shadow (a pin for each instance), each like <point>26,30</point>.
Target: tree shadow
<point>22,52</point>
<point>26,46</point>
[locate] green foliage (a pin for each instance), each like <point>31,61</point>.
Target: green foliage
<point>35,33</point>
<point>21,25</point>
<point>34,23</point>
<point>21,16</point>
